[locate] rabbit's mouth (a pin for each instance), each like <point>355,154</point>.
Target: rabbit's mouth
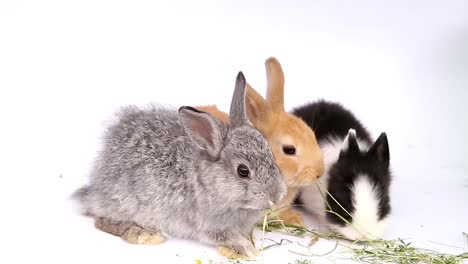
<point>257,207</point>
<point>306,177</point>
<point>254,209</point>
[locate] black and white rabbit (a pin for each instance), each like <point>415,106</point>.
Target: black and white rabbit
<point>357,173</point>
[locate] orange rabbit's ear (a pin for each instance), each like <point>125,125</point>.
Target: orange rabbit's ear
<point>257,108</point>
<point>214,111</point>
<point>275,84</point>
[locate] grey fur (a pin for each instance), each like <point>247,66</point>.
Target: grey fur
<point>237,111</point>
<point>175,172</point>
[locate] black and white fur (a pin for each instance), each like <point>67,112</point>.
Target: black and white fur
<point>357,172</point>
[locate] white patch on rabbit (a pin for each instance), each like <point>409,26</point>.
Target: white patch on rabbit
<point>312,198</point>
<point>345,144</point>
<point>366,210</point>
<point>331,148</point>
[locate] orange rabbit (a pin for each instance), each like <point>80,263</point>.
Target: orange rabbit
<point>294,146</point>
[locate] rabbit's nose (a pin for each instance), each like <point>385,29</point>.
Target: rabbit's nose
<point>271,203</point>
<point>276,197</point>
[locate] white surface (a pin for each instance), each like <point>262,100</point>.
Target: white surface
<point>401,66</point>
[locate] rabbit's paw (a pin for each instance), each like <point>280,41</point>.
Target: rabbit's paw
<point>138,235</point>
<point>228,253</point>
<point>243,250</point>
<point>114,227</point>
<point>293,217</point>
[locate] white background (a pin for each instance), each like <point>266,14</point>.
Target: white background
<point>65,66</point>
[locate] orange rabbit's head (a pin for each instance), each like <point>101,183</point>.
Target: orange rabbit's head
<point>292,141</point>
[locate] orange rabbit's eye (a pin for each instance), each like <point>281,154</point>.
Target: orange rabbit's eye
<point>289,150</point>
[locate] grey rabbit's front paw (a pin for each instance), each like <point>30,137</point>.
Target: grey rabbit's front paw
<point>241,248</point>
<point>138,235</point>
<point>129,231</point>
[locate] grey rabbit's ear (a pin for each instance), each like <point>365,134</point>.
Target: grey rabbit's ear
<point>237,112</point>
<point>204,130</point>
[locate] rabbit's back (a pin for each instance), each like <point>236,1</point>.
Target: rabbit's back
<point>330,120</point>
<point>146,156</point>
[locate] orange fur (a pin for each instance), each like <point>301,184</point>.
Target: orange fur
<point>214,111</point>
<point>287,214</point>
<point>275,84</point>
<point>281,128</point>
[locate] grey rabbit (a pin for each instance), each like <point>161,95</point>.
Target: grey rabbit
<point>166,173</point>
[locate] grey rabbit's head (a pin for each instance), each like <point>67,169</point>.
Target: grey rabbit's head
<point>236,165</point>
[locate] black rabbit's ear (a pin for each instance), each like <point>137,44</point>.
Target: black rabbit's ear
<point>380,150</point>
<point>205,130</point>
<point>350,145</point>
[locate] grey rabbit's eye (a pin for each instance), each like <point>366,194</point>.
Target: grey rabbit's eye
<point>289,150</point>
<point>243,171</point>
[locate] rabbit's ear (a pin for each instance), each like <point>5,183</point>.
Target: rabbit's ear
<point>237,112</point>
<point>275,84</point>
<point>214,111</point>
<point>258,110</point>
<point>379,150</point>
<point>350,145</point>
<point>205,130</point>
